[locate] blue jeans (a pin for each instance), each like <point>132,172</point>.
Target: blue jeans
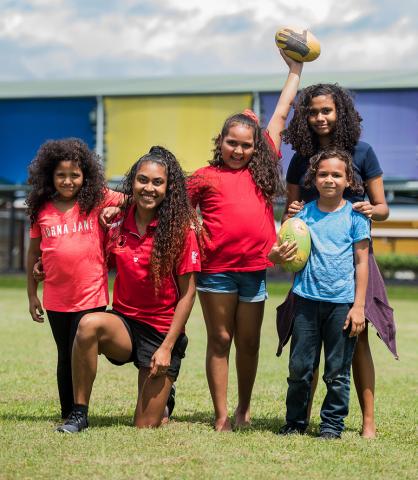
<point>317,322</point>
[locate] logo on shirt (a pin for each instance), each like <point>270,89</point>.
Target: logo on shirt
<point>121,241</point>
<point>136,259</point>
<point>195,256</point>
<point>63,229</point>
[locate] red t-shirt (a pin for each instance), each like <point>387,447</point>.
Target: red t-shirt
<point>73,256</point>
<point>134,293</point>
<point>238,221</point>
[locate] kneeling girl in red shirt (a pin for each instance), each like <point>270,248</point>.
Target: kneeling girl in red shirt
<point>156,254</point>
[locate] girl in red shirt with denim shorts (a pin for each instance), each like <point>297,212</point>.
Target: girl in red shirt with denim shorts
<point>234,195</point>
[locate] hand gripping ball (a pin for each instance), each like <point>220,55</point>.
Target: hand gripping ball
<point>295,230</point>
<point>301,45</point>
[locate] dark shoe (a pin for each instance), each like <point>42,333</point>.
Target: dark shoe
<point>291,430</point>
<point>171,402</point>
<point>76,422</point>
<point>329,436</point>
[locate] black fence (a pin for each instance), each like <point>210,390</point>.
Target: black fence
<point>14,232</point>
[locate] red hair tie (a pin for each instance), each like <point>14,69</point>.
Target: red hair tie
<point>250,114</point>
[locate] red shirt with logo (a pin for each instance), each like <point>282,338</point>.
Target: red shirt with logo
<point>72,245</point>
<point>238,221</point>
<point>134,293</point>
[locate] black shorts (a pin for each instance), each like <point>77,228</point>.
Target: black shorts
<point>145,341</point>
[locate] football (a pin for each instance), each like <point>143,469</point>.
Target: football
<point>295,230</point>
<point>299,44</point>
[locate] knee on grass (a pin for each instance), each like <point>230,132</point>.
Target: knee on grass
<point>149,421</point>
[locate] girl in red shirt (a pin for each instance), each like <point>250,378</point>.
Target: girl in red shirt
<point>235,194</point>
<point>68,192</point>
<point>156,254</point>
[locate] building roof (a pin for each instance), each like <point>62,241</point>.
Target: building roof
<point>210,84</point>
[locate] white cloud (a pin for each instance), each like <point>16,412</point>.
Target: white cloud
<point>67,38</point>
<point>389,49</point>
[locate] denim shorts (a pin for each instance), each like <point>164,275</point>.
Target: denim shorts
<point>250,286</point>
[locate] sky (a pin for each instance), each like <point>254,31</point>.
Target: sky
<point>67,39</point>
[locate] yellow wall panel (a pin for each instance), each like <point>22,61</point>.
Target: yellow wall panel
<point>399,246</point>
<point>183,124</point>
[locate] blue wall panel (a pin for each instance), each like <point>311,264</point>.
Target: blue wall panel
<point>390,125</point>
<point>25,124</point>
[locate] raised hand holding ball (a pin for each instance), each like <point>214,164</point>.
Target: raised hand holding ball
<point>300,45</point>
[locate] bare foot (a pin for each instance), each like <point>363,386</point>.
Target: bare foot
<point>242,420</point>
<point>369,431</point>
<point>223,425</point>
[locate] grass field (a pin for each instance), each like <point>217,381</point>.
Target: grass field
<point>188,447</point>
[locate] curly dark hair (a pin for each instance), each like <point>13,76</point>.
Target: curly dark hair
<point>264,166</point>
<point>347,128</point>
<point>342,155</point>
<point>41,175</point>
<point>175,213</point>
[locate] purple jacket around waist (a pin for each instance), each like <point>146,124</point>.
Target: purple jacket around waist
<point>377,311</point>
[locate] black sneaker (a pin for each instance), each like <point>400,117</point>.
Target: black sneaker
<point>291,430</point>
<point>329,436</point>
<point>171,402</point>
<point>76,422</point>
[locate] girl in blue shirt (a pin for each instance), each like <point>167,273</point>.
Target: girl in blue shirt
<point>330,296</point>
<point>325,116</point>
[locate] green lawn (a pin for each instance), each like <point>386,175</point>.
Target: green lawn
<point>188,447</point>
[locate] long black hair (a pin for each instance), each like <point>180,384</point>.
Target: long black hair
<point>348,122</point>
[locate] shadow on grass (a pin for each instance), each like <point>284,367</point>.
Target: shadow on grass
<point>106,421</point>
<point>94,420</point>
<point>29,417</point>
<point>258,424</point>
<point>207,419</point>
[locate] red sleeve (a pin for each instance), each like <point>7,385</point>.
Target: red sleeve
<point>190,258</point>
<point>111,237</point>
<point>35,231</point>
<point>112,199</point>
<point>271,143</point>
<point>193,188</point>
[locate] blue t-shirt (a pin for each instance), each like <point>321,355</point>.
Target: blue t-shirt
<point>329,274</point>
<point>365,163</point>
